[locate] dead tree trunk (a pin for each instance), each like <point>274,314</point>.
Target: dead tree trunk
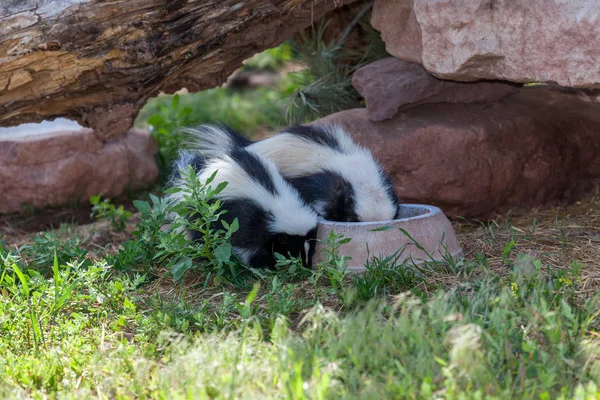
<point>98,61</point>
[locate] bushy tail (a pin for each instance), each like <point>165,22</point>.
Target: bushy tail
<point>213,141</point>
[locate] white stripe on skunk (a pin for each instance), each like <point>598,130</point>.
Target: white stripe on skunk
<point>309,150</point>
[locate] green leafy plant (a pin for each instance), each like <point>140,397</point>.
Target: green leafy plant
<point>325,86</point>
<point>166,120</point>
<point>270,59</point>
<point>385,276</point>
<point>198,211</point>
<point>334,268</point>
<point>104,210</point>
<point>47,246</point>
<point>138,253</point>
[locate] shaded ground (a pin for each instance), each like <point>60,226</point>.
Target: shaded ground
<point>558,236</point>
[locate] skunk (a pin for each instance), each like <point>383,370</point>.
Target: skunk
<point>272,216</point>
<point>341,180</point>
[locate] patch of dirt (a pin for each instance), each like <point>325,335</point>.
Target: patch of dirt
<point>558,236</point>
<point>16,229</point>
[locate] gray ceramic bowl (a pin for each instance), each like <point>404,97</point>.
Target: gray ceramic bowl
<point>427,225</point>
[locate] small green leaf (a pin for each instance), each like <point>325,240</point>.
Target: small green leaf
<point>22,279</point>
<point>174,189</point>
<point>220,187</point>
<point>223,253</point>
<point>95,200</point>
<point>64,297</point>
<point>142,206</point>
<point>440,361</point>
<point>233,228</point>
<point>55,270</point>
<point>382,228</point>
<point>252,295</point>
<point>155,199</point>
<point>175,101</point>
<point>405,232</point>
<point>211,178</point>
<point>181,267</point>
<point>156,120</point>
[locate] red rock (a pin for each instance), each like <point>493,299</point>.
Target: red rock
<point>390,85</point>
<point>476,160</point>
<point>70,166</point>
<point>518,40</point>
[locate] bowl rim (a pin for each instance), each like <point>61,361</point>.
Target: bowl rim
<point>432,211</point>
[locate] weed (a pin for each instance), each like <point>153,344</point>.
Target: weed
<point>199,211</point>
<point>334,269</point>
<point>384,276</point>
<point>270,59</point>
<point>45,246</point>
<point>138,253</point>
<point>103,210</point>
<point>166,119</point>
<point>532,230</point>
<point>562,234</point>
<point>508,248</point>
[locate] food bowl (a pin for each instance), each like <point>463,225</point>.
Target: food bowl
<point>426,225</point>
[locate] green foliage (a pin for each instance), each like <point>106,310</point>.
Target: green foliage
<point>82,330</point>
<point>270,59</point>
<point>103,210</point>
<point>198,211</point>
<point>334,269</point>
<point>138,253</point>
<point>166,117</point>
<point>47,246</point>
<point>246,111</point>
<point>325,87</point>
<point>59,333</point>
<point>384,276</point>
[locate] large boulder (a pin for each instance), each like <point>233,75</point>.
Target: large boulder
<point>478,159</point>
<point>515,40</point>
<point>390,85</point>
<point>65,167</point>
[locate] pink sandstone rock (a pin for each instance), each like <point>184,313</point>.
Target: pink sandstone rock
<point>59,168</point>
<point>390,85</point>
<point>515,40</point>
<point>475,160</point>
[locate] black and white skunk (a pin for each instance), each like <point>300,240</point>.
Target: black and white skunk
<point>272,216</point>
<point>341,180</point>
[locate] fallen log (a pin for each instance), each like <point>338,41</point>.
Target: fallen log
<point>98,61</point>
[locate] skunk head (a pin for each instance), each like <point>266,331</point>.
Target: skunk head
<point>340,179</point>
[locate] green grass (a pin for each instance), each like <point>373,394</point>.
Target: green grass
<point>247,111</point>
<point>87,329</point>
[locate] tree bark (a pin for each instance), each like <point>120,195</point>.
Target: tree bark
<point>98,61</point>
